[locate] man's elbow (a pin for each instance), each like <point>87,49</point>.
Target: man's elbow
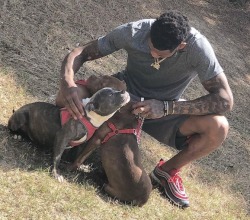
<point>231,104</point>
<point>228,104</point>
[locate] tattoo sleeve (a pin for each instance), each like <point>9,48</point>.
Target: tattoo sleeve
<point>75,59</point>
<point>218,101</point>
<point>88,52</point>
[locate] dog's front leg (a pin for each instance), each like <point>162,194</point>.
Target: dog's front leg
<point>92,144</point>
<point>72,130</point>
<point>59,147</point>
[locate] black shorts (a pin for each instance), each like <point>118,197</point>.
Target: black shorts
<point>166,130</point>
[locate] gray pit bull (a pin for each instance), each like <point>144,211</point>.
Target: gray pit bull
<point>41,122</point>
<point>121,157</point>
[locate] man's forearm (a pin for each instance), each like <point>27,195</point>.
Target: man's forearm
<point>218,101</point>
<point>209,104</point>
<point>205,105</point>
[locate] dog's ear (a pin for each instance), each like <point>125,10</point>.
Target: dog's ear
<point>90,106</point>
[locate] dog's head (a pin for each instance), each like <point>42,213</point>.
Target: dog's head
<point>18,121</point>
<point>95,83</point>
<point>107,101</point>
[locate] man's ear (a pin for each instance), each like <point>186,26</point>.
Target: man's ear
<point>124,84</point>
<point>182,45</point>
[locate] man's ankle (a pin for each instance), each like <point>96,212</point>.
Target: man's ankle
<point>164,167</point>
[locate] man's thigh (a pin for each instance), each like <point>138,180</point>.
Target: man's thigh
<point>202,124</point>
<point>166,129</point>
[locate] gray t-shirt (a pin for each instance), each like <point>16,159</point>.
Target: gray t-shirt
<point>175,73</point>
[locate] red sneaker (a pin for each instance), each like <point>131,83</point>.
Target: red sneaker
<point>171,183</point>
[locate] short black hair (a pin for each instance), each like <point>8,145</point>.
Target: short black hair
<point>169,30</point>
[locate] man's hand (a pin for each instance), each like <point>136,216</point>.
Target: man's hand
<point>70,65</point>
<point>150,109</point>
<point>72,102</point>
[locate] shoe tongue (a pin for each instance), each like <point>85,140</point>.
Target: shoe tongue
<point>173,172</point>
<point>161,163</point>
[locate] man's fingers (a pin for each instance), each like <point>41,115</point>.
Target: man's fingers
<point>137,111</point>
<point>150,109</point>
<point>138,105</point>
<point>78,105</point>
<point>75,110</point>
<point>73,103</point>
<point>71,112</point>
<point>144,111</point>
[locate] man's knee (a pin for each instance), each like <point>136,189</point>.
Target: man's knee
<point>212,128</point>
<point>216,131</point>
<point>218,126</point>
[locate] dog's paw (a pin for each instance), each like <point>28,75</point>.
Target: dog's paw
<point>17,137</point>
<point>57,176</point>
<point>60,178</point>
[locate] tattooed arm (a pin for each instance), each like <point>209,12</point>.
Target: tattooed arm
<point>218,101</point>
<point>70,65</point>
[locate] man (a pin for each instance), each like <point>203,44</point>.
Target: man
<point>164,55</point>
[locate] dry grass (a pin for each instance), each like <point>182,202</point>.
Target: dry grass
<point>34,38</point>
<point>29,192</point>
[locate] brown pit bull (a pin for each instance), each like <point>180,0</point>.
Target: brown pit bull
<point>41,122</point>
<point>120,156</point>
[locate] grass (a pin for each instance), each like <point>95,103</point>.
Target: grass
<point>35,195</point>
<point>29,192</point>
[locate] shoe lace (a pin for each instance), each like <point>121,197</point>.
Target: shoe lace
<point>176,179</point>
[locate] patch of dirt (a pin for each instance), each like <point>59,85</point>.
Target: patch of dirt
<point>36,35</point>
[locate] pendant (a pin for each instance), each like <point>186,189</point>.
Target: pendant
<point>157,62</point>
<point>156,65</point>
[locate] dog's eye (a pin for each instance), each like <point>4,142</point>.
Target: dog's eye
<point>110,94</point>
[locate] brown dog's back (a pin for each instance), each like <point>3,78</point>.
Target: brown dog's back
<point>127,179</point>
<point>121,159</point>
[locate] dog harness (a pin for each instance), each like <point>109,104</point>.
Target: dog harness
<point>65,116</point>
<point>115,131</point>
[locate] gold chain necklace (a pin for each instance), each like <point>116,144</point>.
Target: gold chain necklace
<point>156,63</point>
